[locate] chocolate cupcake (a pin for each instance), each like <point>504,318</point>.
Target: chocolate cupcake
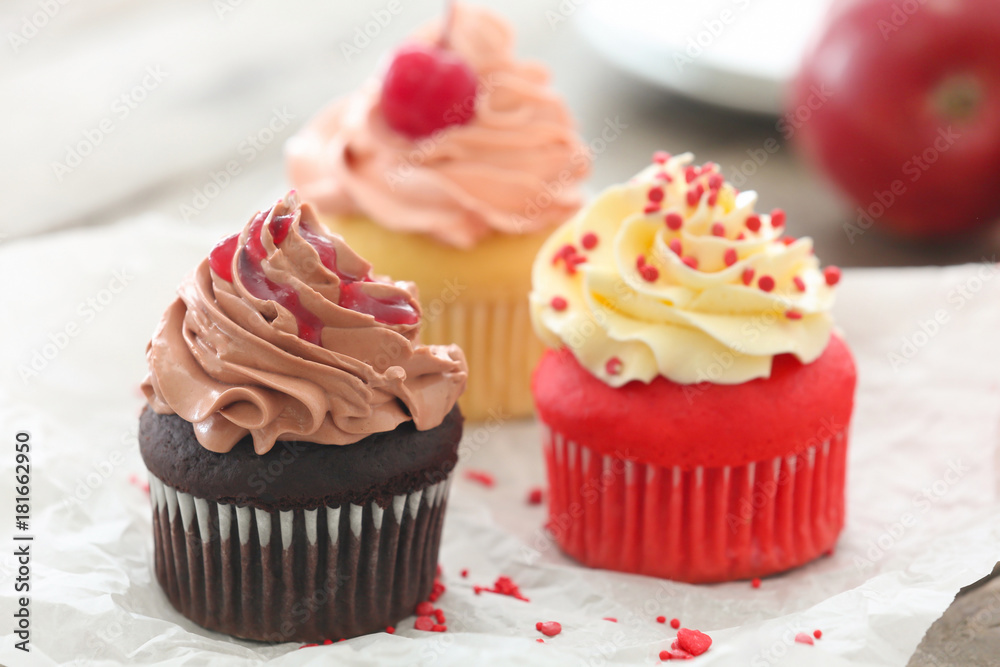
<point>299,439</point>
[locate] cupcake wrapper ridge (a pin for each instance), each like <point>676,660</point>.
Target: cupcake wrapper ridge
<point>296,575</point>
<point>699,525</point>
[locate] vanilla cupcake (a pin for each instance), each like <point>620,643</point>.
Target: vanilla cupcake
<point>449,170</point>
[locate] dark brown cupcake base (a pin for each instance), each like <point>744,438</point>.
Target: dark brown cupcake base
<point>301,574</point>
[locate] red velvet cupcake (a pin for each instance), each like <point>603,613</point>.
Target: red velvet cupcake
<point>696,400</point>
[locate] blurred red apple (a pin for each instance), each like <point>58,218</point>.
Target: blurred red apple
<point>899,104</point>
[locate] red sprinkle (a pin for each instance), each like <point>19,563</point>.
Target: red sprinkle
<point>391,630</point>
<point>787,240</point>
<point>558,303</point>
<point>747,275</point>
<point>818,634</point>
<point>503,586</point>
<point>694,642</point>
<point>755,582</point>
<point>424,623</point>
<point>675,654</point>
<point>564,252</point>
<point>640,261</point>
<point>715,181</point>
<point>540,640</point>
<point>439,616</point>
<point>664,176</point>
<point>793,314</point>
<point>713,197</point>
<point>718,229</point>
<point>832,275</point>
<point>675,623</point>
<point>651,208</point>
<point>741,236</point>
<point>649,273</point>
<point>548,628</point>
<point>674,220</point>
<point>611,618</point>
<point>661,619</point>
<point>535,496</point>
<point>766,283</point>
<point>659,157</point>
<point>464,573</point>
<point>439,628</point>
<point>692,262</point>
<point>690,174</point>
<point>729,257</point>
<point>656,194</point>
<point>613,366</point>
<point>800,284</point>
<point>675,245</point>
<point>693,196</point>
<point>481,476</point>
<point>777,218</point>
<point>424,608</point>
<point>437,591</point>
<point>753,222</point>
<point>589,241</point>
<point>804,638</point>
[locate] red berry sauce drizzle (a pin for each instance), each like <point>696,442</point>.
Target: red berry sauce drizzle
<point>251,274</point>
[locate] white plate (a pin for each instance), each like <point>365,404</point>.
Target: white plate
<point>733,53</point>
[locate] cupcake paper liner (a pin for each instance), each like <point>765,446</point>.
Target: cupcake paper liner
<point>296,575</point>
<point>501,349</point>
<point>696,525</point>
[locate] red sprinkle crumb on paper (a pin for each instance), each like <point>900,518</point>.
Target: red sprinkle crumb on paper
<point>675,623</point>
<point>437,591</point>
<point>481,476</point>
<point>137,482</point>
<point>755,582</point>
<point>424,623</point>
<point>439,628</point>
<point>391,630</point>
<point>464,573</point>
<point>661,619</point>
<point>535,496</point>
<point>503,586</point>
<point>439,616</point>
<point>611,618</point>
<point>818,634</point>
<point>540,640</point>
<point>424,608</point>
<point>675,654</point>
<point>694,642</point>
<point>548,628</point>
<point>804,638</point>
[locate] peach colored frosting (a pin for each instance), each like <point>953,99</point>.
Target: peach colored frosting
<point>307,361</point>
<point>512,169</point>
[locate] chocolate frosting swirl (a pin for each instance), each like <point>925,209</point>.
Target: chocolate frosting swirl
<point>284,334</point>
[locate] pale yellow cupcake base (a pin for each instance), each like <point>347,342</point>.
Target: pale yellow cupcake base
<point>477,299</point>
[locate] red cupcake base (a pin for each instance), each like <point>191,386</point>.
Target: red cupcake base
<point>699,525</point>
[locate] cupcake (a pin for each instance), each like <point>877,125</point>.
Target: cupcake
<point>298,438</point>
<point>451,168</point>
<point>695,401</point>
